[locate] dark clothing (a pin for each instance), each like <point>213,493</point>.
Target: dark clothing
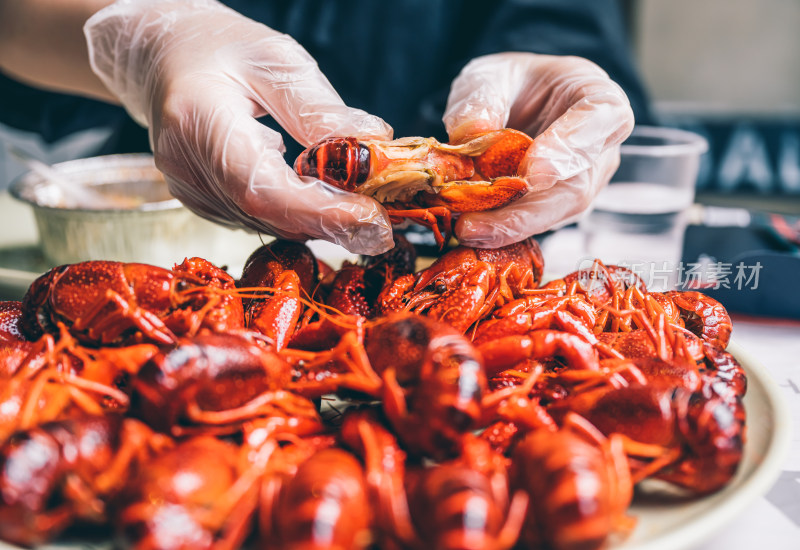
<point>395,60</point>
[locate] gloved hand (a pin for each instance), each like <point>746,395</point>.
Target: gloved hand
<point>578,117</point>
<point>198,74</point>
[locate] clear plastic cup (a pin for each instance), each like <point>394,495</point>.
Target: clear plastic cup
<point>639,219</point>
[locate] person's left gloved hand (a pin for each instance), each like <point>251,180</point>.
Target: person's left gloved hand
<point>577,116</point>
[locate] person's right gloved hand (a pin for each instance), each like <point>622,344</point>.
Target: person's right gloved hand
<point>577,117</point>
<point>198,74</point>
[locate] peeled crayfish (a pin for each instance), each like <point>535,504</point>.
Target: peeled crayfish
<point>422,179</point>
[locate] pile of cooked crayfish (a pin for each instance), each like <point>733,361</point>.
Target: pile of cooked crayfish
<point>467,405</point>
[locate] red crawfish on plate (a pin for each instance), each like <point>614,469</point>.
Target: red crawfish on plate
<point>465,406</point>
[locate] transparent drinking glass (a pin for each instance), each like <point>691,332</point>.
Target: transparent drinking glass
<point>639,219</point>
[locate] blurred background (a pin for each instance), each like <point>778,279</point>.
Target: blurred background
<point>728,69</point>
<point>724,68</point>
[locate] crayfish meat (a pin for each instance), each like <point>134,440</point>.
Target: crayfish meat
<point>423,179</point>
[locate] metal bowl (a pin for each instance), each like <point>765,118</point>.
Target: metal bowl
<point>150,226</point>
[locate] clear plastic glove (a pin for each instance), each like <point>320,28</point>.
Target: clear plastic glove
<point>198,74</point>
<point>578,117</point>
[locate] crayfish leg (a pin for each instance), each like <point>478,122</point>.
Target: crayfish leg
<point>477,196</point>
<point>438,218</point>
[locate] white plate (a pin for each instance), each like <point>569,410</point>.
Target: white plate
<point>662,525</point>
<point>682,524</point>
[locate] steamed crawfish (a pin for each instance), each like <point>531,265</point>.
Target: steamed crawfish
<point>691,438</point>
<point>213,383</point>
<point>287,272</point>
<point>67,472</point>
<point>14,346</point>
<point>199,494</point>
<point>352,293</point>
<point>115,303</point>
<point>433,381</point>
<point>55,379</point>
<point>423,179</point>
<point>323,504</point>
<point>354,289</point>
<point>466,283</point>
<point>579,486</point>
<point>462,503</point>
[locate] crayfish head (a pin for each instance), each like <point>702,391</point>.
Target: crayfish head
<point>343,162</point>
<point>35,315</point>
